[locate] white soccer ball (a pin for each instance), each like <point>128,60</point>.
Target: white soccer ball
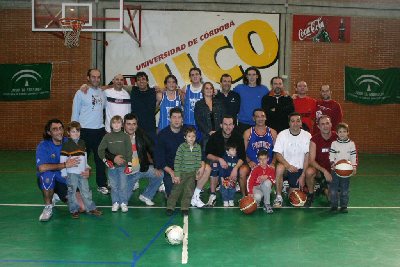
<point>174,235</point>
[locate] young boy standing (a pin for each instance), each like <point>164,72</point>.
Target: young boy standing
<point>75,147</point>
<point>261,180</point>
<point>228,185</point>
<point>342,148</point>
<point>188,167</point>
<point>118,143</point>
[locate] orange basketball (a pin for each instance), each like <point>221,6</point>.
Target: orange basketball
<point>344,168</point>
<point>248,205</point>
<point>297,198</point>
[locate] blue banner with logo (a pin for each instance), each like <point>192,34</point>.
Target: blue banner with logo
<point>20,82</point>
<point>372,87</point>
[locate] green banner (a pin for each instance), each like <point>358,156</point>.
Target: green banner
<point>372,87</point>
<point>25,81</point>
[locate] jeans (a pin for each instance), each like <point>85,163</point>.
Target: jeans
<point>339,183</point>
<point>154,182</point>
<point>263,190</point>
<point>119,185</point>
<point>227,193</point>
<point>75,181</point>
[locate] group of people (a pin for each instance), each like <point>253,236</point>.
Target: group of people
<point>249,136</point>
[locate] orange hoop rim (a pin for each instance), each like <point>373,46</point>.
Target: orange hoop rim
<point>72,22</point>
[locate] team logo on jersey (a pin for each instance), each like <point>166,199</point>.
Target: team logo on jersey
<point>168,109</point>
<point>193,103</point>
<point>53,156</point>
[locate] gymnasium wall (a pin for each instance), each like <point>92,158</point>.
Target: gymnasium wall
<point>374,44</point>
<point>22,122</point>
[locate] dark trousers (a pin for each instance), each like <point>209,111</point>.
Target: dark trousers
<point>184,188</point>
<point>167,183</point>
<point>92,138</point>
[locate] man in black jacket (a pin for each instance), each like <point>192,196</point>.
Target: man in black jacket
<point>277,105</point>
<point>215,151</point>
<point>142,160</point>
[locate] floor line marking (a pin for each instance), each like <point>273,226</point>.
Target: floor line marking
<point>136,257</point>
<point>162,207</point>
<point>69,262</point>
<point>185,255</point>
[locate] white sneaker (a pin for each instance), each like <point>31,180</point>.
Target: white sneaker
<point>231,203</point>
<point>124,207</point>
<point>115,207</point>
<point>196,201</point>
<point>211,201</point>
<point>285,187</point>
<point>161,188</point>
<point>103,190</point>
<point>278,202</point>
<point>237,187</point>
<point>226,204</point>
<point>146,200</point>
<point>268,209</point>
<point>136,186</point>
<point>46,213</point>
<point>55,199</point>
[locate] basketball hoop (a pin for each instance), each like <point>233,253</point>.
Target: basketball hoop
<point>71,28</point>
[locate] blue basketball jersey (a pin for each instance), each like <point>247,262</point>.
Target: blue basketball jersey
<point>188,110</point>
<point>257,142</point>
<point>165,106</point>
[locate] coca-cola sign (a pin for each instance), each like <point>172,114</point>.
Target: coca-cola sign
<point>321,28</point>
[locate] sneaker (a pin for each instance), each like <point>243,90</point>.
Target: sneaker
<point>96,212</point>
<point>46,213</point>
<point>55,199</point>
<point>169,212</point>
<point>196,202</point>
<point>237,187</point>
<point>333,209</point>
<point>75,215</point>
<point>211,200</point>
<point>185,212</point>
<point>344,210</point>
<point>226,204</point>
<point>124,207</point>
<point>278,202</point>
<point>317,189</point>
<point>285,187</point>
<point>309,201</point>
<point>146,200</point>
<point>136,186</point>
<point>268,209</point>
<point>161,189</point>
<point>115,207</point>
<point>231,203</point>
<point>103,190</point>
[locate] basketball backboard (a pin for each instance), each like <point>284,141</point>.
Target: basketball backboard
<point>46,14</point>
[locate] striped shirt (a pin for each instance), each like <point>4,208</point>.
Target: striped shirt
<point>187,159</point>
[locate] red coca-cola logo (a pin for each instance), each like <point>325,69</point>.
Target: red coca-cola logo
<point>313,28</point>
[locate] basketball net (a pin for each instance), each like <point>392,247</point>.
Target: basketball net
<point>71,28</point>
